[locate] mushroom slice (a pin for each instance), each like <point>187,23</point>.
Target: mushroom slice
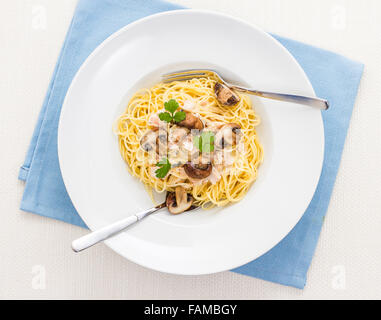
<point>178,201</point>
<point>228,135</point>
<point>162,136</point>
<point>161,142</point>
<point>148,141</point>
<point>191,122</point>
<point>225,95</point>
<point>198,170</point>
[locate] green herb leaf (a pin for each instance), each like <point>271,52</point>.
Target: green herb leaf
<point>207,141</point>
<point>171,105</point>
<point>204,142</point>
<point>164,167</point>
<point>179,116</point>
<point>163,162</point>
<point>165,116</point>
<point>197,142</point>
<point>161,172</point>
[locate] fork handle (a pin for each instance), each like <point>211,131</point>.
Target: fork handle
<point>309,101</point>
<point>110,230</point>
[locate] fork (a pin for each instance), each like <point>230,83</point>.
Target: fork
<point>108,231</point>
<point>188,74</point>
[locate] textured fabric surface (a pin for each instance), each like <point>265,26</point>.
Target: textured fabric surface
<point>333,77</point>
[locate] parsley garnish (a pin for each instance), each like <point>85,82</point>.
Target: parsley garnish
<point>205,141</point>
<point>179,116</point>
<point>164,167</point>
<point>171,106</point>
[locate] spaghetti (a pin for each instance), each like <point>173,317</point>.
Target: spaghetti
<point>231,176</point>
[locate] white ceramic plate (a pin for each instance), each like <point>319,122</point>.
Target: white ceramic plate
<point>103,191</point>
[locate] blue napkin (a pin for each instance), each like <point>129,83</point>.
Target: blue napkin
<point>333,77</point>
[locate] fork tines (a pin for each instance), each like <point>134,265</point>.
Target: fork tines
<point>188,74</point>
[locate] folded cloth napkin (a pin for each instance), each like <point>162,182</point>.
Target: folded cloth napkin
<point>333,77</point>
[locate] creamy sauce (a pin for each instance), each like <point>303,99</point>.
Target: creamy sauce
<point>180,147</point>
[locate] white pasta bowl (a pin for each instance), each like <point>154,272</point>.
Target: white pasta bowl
<point>103,191</point>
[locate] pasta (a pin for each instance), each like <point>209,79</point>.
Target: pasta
<point>234,168</point>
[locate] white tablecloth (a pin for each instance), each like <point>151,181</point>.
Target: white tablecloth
<point>35,256</point>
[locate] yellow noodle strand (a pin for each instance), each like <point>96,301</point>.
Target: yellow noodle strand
<point>133,123</point>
